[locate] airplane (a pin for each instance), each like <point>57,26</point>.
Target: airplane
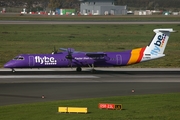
<point>68,57</point>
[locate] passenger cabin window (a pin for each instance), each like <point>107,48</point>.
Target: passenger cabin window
<point>19,58</point>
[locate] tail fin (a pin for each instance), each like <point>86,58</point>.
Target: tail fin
<point>158,43</point>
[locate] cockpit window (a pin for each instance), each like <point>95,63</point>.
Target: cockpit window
<point>21,58</point>
<point>18,58</point>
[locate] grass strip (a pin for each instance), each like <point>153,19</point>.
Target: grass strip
<point>138,107</point>
<point>19,39</point>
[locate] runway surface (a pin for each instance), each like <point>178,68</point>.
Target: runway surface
<point>88,22</point>
<point>29,85</point>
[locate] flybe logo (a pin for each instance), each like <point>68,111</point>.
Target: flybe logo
<point>158,44</point>
<point>45,60</point>
<point>160,41</point>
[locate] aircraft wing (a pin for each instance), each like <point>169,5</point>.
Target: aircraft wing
<point>95,54</point>
<point>89,54</point>
<point>63,49</point>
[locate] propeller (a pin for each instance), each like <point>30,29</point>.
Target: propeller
<point>69,56</point>
<point>55,51</point>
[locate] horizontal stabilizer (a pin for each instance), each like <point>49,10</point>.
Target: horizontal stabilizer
<point>164,30</point>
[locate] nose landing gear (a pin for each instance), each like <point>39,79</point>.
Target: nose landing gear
<point>13,70</point>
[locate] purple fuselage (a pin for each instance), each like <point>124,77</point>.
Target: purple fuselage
<point>79,59</point>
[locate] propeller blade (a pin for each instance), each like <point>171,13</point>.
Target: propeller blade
<point>70,63</point>
<point>71,50</point>
<point>69,55</point>
<point>55,50</point>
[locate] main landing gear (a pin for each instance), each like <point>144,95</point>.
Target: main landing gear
<point>92,66</point>
<point>79,69</point>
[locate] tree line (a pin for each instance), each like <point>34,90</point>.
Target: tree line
<point>150,4</point>
<point>137,4</point>
<point>41,4</point>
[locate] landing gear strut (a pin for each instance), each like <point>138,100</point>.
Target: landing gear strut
<point>79,69</point>
<point>92,66</point>
<point>93,70</point>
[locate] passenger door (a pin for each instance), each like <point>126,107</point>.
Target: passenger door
<point>31,61</point>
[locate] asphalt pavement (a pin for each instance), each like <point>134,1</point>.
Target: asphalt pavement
<point>30,86</point>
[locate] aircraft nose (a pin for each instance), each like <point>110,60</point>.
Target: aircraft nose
<point>8,65</point>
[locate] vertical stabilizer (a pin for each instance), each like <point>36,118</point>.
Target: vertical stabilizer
<point>158,43</point>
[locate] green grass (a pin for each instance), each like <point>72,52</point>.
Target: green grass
<point>17,39</point>
<point>89,18</point>
<point>144,107</point>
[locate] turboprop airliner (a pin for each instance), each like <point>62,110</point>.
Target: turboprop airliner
<point>71,58</point>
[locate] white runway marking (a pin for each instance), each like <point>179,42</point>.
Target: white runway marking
<point>45,76</point>
<point>97,68</point>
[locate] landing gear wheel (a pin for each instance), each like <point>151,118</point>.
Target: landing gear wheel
<point>13,71</point>
<point>78,69</point>
<point>93,70</point>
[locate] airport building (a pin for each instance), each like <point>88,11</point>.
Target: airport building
<point>101,7</point>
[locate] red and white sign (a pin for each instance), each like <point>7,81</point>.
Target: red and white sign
<point>106,106</point>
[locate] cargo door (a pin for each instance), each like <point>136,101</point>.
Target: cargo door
<point>118,59</point>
